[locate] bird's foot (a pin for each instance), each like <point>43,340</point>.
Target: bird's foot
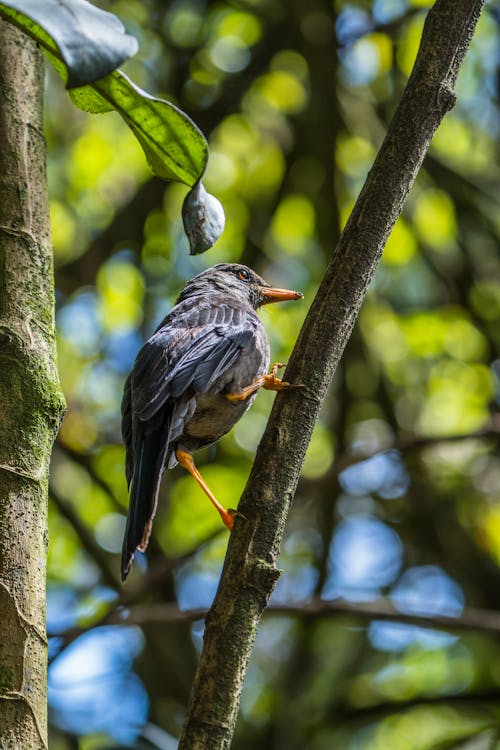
<point>273,383</point>
<point>269,382</point>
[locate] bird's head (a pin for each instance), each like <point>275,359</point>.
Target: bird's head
<point>238,282</point>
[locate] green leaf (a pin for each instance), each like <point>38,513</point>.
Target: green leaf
<point>174,147</point>
<point>91,42</point>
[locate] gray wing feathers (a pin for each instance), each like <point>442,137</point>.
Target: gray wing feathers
<point>160,373</point>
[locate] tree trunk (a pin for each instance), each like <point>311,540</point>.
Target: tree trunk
<point>250,572</point>
<point>31,400</point>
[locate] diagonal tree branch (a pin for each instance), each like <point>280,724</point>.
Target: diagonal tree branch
<point>249,573</point>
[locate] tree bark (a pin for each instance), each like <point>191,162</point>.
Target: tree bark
<point>250,573</point>
<point>30,396</point>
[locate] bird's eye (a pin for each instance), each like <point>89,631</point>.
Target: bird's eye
<point>243,274</point>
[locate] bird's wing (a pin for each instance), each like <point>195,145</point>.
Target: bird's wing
<point>188,355</point>
<point>185,357</point>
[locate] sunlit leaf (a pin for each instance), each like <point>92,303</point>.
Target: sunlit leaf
<point>458,398</point>
<point>78,431</point>
<point>241,24</point>
<point>453,139</point>
<point>121,291</point>
<point>354,155</point>
<point>409,44</point>
<point>435,219</point>
<point>175,148</point>
<point>383,46</point>
<point>283,91</point>
<point>294,222</point>
<point>401,245</point>
<point>319,454</point>
<point>63,229</point>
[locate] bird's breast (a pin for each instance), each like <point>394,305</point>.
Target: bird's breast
<point>214,416</point>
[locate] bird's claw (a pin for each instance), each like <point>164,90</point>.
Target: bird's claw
<point>228,517</point>
<point>279,385</point>
<point>275,384</point>
<point>233,514</point>
<point>274,369</point>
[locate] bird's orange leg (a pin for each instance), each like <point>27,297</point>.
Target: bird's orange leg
<point>186,460</point>
<point>269,382</point>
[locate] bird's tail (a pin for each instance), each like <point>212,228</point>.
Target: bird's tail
<point>143,496</point>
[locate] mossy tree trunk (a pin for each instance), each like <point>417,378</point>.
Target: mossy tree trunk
<point>31,403</point>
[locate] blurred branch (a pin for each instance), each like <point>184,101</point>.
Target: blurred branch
<point>250,573</point>
<point>483,620</point>
<point>469,698</point>
<point>87,539</point>
<point>403,446</point>
<point>491,430</point>
<point>85,461</point>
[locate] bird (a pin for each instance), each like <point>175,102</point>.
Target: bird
<point>191,382</point>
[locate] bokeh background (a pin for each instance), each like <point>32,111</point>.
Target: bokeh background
<point>397,516</point>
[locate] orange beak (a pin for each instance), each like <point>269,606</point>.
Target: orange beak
<point>270,294</point>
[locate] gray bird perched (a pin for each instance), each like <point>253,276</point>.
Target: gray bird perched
<point>191,382</point>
